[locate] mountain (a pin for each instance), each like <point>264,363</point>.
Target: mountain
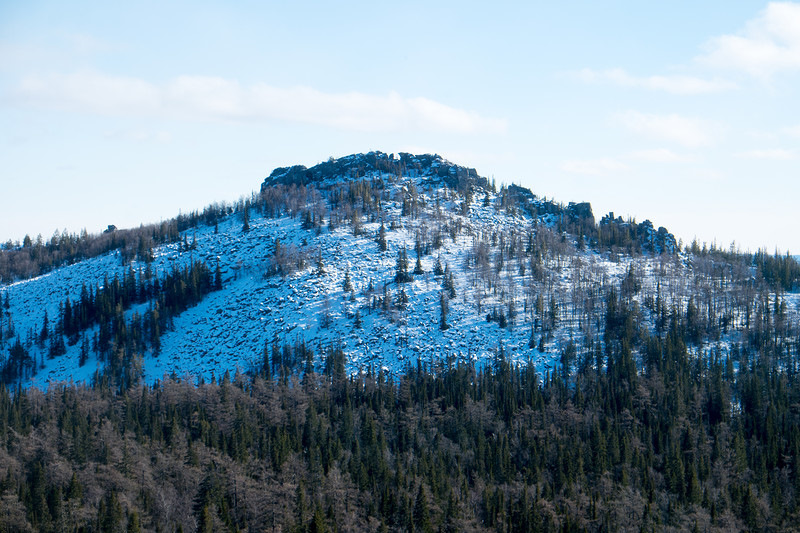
<point>323,260</point>
<point>392,343</point>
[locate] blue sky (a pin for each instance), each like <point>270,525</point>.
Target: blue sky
<point>685,113</point>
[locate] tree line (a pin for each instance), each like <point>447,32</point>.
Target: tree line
<point>101,322</point>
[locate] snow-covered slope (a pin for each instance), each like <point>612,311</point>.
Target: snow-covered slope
<point>229,329</point>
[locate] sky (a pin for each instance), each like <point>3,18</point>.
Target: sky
<point>683,113</point>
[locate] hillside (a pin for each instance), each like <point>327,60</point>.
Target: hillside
<point>383,343</point>
<point>498,270</point>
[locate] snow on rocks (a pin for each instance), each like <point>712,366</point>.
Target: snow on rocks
<point>230,329</point>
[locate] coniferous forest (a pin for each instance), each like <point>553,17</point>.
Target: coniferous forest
<point>681,443</point>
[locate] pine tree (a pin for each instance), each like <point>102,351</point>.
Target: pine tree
<point>401,269</point>
<point>134,524</point>
<point>246,217</point>
<point>422,518</point>
<point>437,268</point>
<point>443,305</point>
<point>381,240</point>
<point>206,524</point>
<point>418,271</point>
<point>45,328</point>
<point>109,515</point>
<point>308,221</point>
<point>317,524</point>
<point>402,298</point>
<point>84,356</point>
<point>347,286</point>
<point>74,489</point>
<point>57,346</point>
<point>449,283</point>
<point>300,503</point>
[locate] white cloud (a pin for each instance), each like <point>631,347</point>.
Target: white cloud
<point>675,84</point>
<point>775,154</point>
<point>609,165</point>
<point>83,43</point>
<point>659,155</point>
<point>686,131</point>
<point>594,167</point>
<point>793,130</point>
<point>212,98</point>
<point>139,135</point>
<point>90,92</point>
<point>768,44</point>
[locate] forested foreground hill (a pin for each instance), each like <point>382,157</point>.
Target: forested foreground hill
<point>683,443</point>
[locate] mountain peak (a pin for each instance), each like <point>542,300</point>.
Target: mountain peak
<point>356,166</point>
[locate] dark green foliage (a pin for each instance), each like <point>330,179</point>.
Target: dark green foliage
<point>35,257</point>
<point>449,283</point>
<point>443,310</point>
<point>347,284</point>
<point>134,524</point>
<point>628,236</point>
<point>781,272</point>
<point>121,340</point>
<point>246,217</point>
<point>18,364</point>
<point>422,515</point>
<point>381,239</point>
<point>442,449</point>
<point>418,270</point>
<point>401,269</point>
<point>109,513</point>
<point>438,270</point>
<point>497,316</point>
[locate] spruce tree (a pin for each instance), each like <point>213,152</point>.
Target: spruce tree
<point>422,518</point>
<point>401,271</point>
<point>418,271</point>
<point>134,524</point>
<point>317,524</point>
<point>381,240</point>
<point>84,356</point>
<point>437,268</point>
<point>45,330</point>
<point>308,221</point>
<point>443,306</point>
<point>347,286</point>
<point>449,284</point>
<point>402,298</point>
